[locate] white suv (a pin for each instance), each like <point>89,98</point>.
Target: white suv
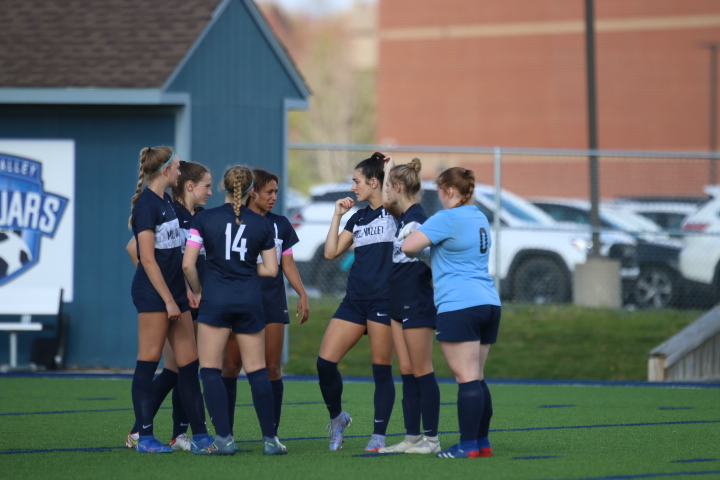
<point>536,255</point>
<point>700,259</point>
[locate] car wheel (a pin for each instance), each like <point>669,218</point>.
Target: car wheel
<point>656,287</point>
<point>540,280</point>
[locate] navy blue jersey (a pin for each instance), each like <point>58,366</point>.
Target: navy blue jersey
<point>273,288</point>
<point>373,232</point>
<point>151,212</point>
<point>410,279</point>
<point>185,218</point>
<point>231,283</point>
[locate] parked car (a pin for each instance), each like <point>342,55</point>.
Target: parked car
<point>700,258</point>
<point>659,283</point>
<point>537,256</point>
<point>668,213</point>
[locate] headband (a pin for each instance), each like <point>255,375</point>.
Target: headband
<point>166,163</point>
<point>248,189</point>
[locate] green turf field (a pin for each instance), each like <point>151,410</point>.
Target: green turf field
<point>75,428</point>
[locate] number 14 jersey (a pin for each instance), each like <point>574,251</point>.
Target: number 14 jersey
<point>231,283</point>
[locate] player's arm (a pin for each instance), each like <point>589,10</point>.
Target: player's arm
<point>293,276</point>
<point>336,245</point>
<point>189,266</point>
<point>146,239</point>
<point>269,265</point>
<point>131,249</point>
<point>415,243</point>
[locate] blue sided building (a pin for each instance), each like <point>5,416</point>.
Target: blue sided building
<point>207,77</point>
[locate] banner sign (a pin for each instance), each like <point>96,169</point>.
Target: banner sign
<point>37,188</point>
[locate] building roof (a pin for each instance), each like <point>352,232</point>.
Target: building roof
<point>97,43</point>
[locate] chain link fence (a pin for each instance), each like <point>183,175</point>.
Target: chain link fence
<point>659,218</point>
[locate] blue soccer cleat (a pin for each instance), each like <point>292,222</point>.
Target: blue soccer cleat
<point>456,452</point>
<point>151,444</point>
<point>336,428</point>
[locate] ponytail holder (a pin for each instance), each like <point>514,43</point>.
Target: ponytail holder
<point>248,189</point>
<point>166,163</point>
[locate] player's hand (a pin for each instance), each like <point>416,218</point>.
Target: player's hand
<point>389,163</point>
<point>193,300</point>
<point>173,311</point>
<point>407,230</point>
<point>344,205</point>
<point>303,307</point>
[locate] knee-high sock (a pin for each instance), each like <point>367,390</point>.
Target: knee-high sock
<point>161,386</point>
<point>216,400</point>
<point>141,392</point>
<point>278,389</point>
<point>470,407</point>
<point>179,415</point>
<point>411,404</point>
<point>231,388</point>
<point>429,403</point>
<point>192,399</point>
<point>384,397</point>
<point>486,414</point>
<point>331,386</point>
<point>263,400</point>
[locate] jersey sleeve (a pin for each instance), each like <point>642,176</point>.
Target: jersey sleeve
<point>288,235</point>
<point>437,227</point>
<point>350,225</point>
<point>145,217</point>
<point>197,230</point>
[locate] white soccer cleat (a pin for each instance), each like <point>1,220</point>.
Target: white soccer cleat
<point>181,443</point>
<point>427,446</point>
<point>401,447</point>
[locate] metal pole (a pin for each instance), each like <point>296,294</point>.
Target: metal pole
<point>713,111</point>
<point>496,219</point>
<point>592,126</point>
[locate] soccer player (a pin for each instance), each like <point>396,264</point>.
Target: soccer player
<point>233,237</point>
<point>160,296</point>
<point>413,313</point>
<point>366,306</point>
<point>468,305</point>
<point>191,193</point>
<point>274,300</point>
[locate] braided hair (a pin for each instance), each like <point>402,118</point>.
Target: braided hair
<point>461,179</point>
<point>238,181</point>
<point>152,159</point>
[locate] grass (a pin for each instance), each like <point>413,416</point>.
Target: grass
<point>548,342</point>
<point>74,428</point>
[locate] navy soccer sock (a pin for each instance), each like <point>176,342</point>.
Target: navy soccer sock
<point>216,400</point>
<point>411,404</point>
<point>192,399</point>
<point>331,386</point>
<point>141,391</point>
<point>278,389</point>
<point>231,388</point>
<point>429,403</point>
<point>161,386</point>
<point>179,415</point>
<point>384,397</point>
<point>263,400</point>
<point>470,407</point>
<point>486,416</point>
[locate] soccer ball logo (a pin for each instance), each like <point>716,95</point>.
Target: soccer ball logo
<point>14,253</point>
